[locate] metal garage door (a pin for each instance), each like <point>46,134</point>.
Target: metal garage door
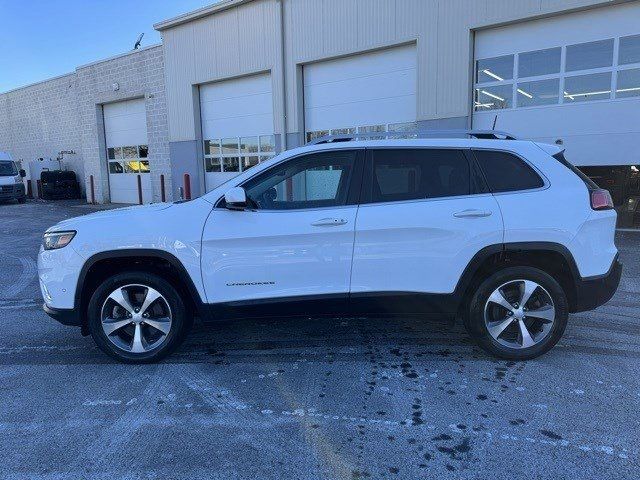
<point>572,79</point>
<point>125,128</point>
<point>367,93</point>
<point>237,126</point>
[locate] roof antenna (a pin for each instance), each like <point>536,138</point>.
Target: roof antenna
<point>138,42</point>
<point>495,120</point>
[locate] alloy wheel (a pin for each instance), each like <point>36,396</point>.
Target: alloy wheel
<point>519,314</point>
<point>136,318</point>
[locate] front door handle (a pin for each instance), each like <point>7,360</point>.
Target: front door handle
<point>329,222</point>
<point>471,213</point>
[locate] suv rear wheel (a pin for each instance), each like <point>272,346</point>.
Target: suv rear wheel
<point>518,313</point>
<point>137,317</point>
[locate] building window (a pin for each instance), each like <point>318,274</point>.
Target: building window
<point>589,72</point>
<point>404,129</point>
<point>540,62</point>
<point>128,159</point>
<point>494,98</point>
<point>541,92</point>
<point>213,165</point>
<point>629,51</point>
<point>586,56</point>
<point>586,88</point>
<point>628,83</point>
<point>237,154</point>
<point>494,69</point>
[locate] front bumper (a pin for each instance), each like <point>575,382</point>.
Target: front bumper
<point>596,291</point>
<point>12,192</point>
<point>66,316</point>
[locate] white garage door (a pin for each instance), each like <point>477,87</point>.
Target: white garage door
<point>365,93</point>
<point>573,79</point>
<point>237,126</point>
<point>125,128</point>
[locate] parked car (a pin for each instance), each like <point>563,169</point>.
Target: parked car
<point>11,184</point>
<point>505,235</point>
<point>59,184</point>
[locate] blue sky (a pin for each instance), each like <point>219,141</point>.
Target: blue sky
<point>40,39</point>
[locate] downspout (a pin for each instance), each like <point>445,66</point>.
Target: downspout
<point>283,79</point>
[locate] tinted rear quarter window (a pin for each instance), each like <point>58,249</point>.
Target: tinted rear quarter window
<point>411,174</point>
<point>506,172</point>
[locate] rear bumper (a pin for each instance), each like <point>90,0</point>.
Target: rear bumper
<point>66,316</point>
<point>595,291</point>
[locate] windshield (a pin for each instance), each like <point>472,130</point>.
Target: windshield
<point>8,169</point>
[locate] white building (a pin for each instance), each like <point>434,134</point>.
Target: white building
<point>244,79</point>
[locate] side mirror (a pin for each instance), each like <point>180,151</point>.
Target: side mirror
<point>23,173</point>
<point>236,199</point>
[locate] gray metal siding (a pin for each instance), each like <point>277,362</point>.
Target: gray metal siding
<point>244,39</point>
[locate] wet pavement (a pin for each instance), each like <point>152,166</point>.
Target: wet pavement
<point>312,398</point>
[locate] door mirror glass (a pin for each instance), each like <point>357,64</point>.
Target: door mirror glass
<point>236,199</point>
<point>23,173</point>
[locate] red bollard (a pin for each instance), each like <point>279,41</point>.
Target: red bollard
<point>187,187</point>
<point>162,194</point>
<point>39,187</point>
<point>93,192</point>
<point>29,189</point>
<point>139,190</point>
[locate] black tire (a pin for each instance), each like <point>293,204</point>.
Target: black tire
<point>180,325</point>
<point>22,200</point>
<point>476,325</point>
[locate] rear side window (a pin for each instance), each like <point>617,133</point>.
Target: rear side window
<point>507,173</point>
<point>410,174</point>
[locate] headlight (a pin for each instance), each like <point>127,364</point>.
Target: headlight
<point>18,179</point>
<point>55,240</point>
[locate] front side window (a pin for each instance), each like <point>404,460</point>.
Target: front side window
<point>412,174</point>
<point>313,181</point>
<point>505,172</point>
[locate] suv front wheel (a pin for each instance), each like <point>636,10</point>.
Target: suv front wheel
<point>137,317</point>
<point>518,313</point>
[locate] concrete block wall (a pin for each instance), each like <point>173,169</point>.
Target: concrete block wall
<point>138,74</point>
<point>65,113</point>
<point>40,121</point>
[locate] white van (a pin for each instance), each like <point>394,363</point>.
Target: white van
<point>11,184</point>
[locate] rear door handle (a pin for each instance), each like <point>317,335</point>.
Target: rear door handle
<point>471,213</point>
<point>329,222</point>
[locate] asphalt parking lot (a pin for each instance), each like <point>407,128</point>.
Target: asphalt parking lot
<point>310,399</point>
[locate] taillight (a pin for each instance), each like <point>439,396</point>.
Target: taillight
<point>601,200</point>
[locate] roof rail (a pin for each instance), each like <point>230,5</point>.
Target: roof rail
<point>346,137</point>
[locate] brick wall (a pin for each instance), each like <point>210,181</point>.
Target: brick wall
<point>65,113</point>
<point>138,75</point>
<point>40,121</point>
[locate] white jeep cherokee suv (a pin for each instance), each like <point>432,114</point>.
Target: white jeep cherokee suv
<point>505,235</point>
